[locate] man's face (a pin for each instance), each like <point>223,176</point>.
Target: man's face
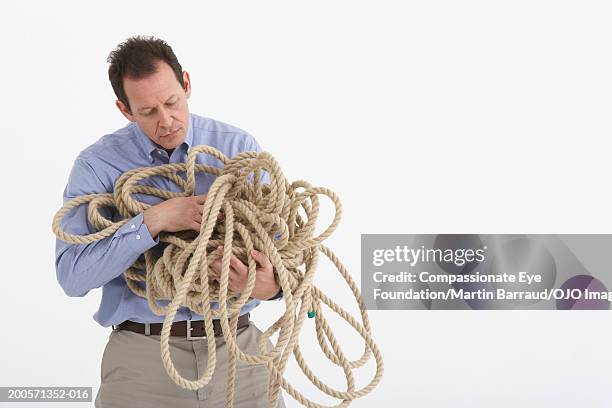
<point>159,105</point>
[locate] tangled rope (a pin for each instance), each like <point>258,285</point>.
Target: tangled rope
<point>255,215</point>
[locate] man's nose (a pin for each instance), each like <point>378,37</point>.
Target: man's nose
<point>165,120</point>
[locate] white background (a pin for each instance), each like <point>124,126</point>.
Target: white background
<point>424,116</point>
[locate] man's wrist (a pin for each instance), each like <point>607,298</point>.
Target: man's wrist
<point>278,295</point>
<point>152,223</point>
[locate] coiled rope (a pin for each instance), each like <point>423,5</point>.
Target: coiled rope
<point>255,215</point>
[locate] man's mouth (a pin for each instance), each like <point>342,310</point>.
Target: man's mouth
<point>172,133</point>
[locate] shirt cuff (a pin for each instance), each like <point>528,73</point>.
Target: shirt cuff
<point>137,234</point>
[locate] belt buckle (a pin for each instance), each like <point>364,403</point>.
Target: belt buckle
<point>189,336</point>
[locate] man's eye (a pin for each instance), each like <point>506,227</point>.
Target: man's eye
<point>171,103</point>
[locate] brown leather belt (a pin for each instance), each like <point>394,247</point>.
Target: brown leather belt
<point>191,329</point>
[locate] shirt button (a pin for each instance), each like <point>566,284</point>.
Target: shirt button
<point>137,236</point>
<point>133,226</point>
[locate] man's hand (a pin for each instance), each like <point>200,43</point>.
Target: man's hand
<point>265,284</point>
<point>175,214</point>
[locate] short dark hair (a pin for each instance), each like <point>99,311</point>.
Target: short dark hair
<point>135,58</point>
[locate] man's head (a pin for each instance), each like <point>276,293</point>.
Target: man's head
<point>152,89</point>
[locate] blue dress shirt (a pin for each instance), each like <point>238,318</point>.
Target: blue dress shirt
<point>83,267</point>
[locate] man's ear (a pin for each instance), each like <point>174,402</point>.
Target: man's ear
<point>187,82</point>
<point>124,110</point>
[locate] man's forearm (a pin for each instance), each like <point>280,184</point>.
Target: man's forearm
<point>82,267</point>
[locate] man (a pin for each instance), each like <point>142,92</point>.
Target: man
<point>152,92</point>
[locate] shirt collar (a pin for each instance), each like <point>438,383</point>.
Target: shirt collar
<point>149,146</point>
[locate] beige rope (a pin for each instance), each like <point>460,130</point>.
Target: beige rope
<point>258,216</point>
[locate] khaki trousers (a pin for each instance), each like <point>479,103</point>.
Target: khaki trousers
<point>133,375</point>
